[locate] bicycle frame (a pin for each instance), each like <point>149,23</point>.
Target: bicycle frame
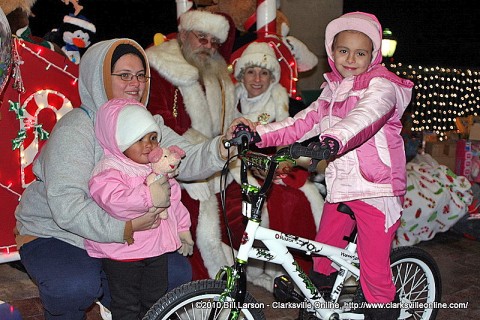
<point>278,244</point>
<point>415,273</point>
<point>277,252</point>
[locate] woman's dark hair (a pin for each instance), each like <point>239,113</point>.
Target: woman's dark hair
<point>123,49</point>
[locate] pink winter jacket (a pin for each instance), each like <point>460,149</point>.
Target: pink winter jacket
<point>363,114</point>
<point>118,186</point>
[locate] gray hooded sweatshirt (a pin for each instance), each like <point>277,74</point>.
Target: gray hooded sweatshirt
<point>58,204</point>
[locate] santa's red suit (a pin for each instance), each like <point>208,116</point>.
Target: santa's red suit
<point>202,110</point>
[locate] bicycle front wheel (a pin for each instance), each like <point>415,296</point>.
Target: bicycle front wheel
<point>418,282</point>
<point>199,300</point>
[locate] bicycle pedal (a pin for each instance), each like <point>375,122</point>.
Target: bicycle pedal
<point>284,291</point>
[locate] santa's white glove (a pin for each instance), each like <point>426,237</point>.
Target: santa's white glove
<point>198,190</point>
<point>187,243</point>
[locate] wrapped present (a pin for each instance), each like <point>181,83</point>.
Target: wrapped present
<point>467,160</point>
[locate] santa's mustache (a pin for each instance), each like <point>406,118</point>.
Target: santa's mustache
<point>203,51</point>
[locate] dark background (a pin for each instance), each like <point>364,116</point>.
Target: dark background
<point>429,32</point>
<point>135,19</point>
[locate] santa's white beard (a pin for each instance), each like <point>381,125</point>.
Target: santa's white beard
<point>208,65</point>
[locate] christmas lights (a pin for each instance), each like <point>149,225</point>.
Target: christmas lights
<point>10,190</point>
<point>290,77</point>
<point>41,80</point>
<point>441,94</point>
<point>30,131</point>
<point>49,63</point>
<point>28,113</point>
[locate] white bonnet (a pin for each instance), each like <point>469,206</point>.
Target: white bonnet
<point>258,54</point>
<point>134,122</point>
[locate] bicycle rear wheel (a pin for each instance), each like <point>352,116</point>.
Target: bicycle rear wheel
<point>418,282</point>
<point>196,300</point>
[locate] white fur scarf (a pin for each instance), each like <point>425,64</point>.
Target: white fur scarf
<point>205,110</point>
<point>168,60</point>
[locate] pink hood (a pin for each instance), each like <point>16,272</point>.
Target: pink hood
<point>359,21</point>
<point>106,121</point>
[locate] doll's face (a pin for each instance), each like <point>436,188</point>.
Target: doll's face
<point>352,52</point>
<point>256,80</point>
<point>133,89</point>
<point>168,163</point>
<point>139,151</point>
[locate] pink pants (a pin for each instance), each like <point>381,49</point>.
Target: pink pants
<point>373,246</point>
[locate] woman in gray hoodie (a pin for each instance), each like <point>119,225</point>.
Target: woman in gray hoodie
<point>56,213</point>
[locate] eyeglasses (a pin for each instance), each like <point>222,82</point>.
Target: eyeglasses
<point>129,76</point>
<point>203,39</point>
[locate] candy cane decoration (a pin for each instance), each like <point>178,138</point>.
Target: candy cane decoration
<point>33,105</point>
<point>266,18</point>
<point>183,6</point>
<point>267,32</point>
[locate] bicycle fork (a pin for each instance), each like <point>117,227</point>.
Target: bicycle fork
<point>235,278</point>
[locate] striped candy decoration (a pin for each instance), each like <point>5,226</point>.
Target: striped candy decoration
<point>33,105</point>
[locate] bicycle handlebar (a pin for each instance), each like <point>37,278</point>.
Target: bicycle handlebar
<point>243,137</point>
<point>297,150</point>
<point>241,133</point>
<point>318,151</point>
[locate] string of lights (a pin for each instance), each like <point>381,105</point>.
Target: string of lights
<point>440,95</point>
<point>8,188</point>
<point>28,106</point>
<point>49,63</point>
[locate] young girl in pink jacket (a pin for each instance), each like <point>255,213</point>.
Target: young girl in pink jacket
<point>137,272</point>
<point>357,117</point>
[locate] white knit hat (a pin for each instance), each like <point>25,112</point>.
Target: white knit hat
<point>133,123</point>
<point>206,22</point>
<point>258,54</point>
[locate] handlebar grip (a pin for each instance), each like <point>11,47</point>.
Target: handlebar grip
<point>242,131</point>
<point>297,151</point>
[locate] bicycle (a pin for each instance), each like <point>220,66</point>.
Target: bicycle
<point>415,272</point>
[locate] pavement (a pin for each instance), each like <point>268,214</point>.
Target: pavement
<point>458,259</point>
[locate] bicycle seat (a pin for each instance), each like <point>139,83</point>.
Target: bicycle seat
<point>343,208</point>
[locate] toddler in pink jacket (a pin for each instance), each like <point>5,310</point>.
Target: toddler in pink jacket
<point>137,273</point>
<point>357,117</point>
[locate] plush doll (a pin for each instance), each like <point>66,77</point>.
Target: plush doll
<point>74,35</point>
<point>164,161</point>
<point>239,10</point>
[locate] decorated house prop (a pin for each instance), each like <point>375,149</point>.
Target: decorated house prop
<point>42,87</point>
